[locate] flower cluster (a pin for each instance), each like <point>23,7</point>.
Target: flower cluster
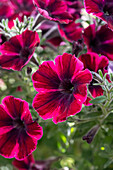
<point>64,84</point>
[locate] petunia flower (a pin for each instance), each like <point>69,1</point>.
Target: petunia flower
<point>15,9</point>
<point>4,14</point>
<point>74,8</point>
<point>30,164</point>
<point>55,10</point>
<point>25,164</point>
<point>100,41</point>
<point>20,8</point>
<point>72,31</point>
<point>61,86</point>
<point>50,33</point>
<point>94,63</point>
<point>18,132</point>
<point>103,9</point>
<point>18,50</point>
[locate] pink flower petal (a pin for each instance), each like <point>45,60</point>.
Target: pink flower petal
<point>67,65</point>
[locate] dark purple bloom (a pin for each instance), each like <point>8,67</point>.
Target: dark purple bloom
<point>61,86</point>
<point>17,52</point>
<point>91,134</point>
<point>100,41</point>
<point>94,63</point>
<point>55,10</point>
<point>18,132</point>
<point>72,31</point>
<point>102,9</point>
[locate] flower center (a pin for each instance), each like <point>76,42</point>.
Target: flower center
<point>66,86</point>
<point>25,52</point>
<point>18,124</point>
<point>95,44</point>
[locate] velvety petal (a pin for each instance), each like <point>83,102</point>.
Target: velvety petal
<point>67,65</point>
<point>5,121</point>
<point>21,165</point>
<point>46,77</point>
<point>41,3</point>
<point>80,93</point>
<point>93,61</point>
<point>90,61</point>
<point>96,90</point>
<point>8,144</point>
<point>94,6</point>
<point>102,9</point>
<point>34,130</point>
<point>11,47</point>
<point>86,103</point>
<point>56,105</point>
<point>89,34</point>
<point>25,164</point>
<point>71,31</point>
<point>30,39</point>
<point>74,106</point>
<point>8,10</point>
<point>11,61</point>
<point>26,145</point>
<point>98,43</point>
<point>17,108</point>
<point>46,103</point>
<point>58,7</point>
<point>103,62</point>
<point>56,10</point>
<point>3,114</point>
<point>80,80</point>
<point>82,77</point>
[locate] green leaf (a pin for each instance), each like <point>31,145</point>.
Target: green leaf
<point>100,73</point>
<point>97,100</point>
<point>108,163</point>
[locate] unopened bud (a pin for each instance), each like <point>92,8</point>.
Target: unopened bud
<point>91,134</point>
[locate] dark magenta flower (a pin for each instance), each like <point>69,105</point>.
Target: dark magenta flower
<point>15,9</point>
<point>74,8</point>
<point>20,8</point>
<point>17,52</point>
<point>25,164</point>
<point>102,9</point>
<point>4,14</point>
<point>30,164</point>
<point>72,31</point>
<point>55,10</point>
<point>61,86</point>
<point>50,32</point>
<point>94,63</point>
<point>100,41</point>
<point>18,132</point>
